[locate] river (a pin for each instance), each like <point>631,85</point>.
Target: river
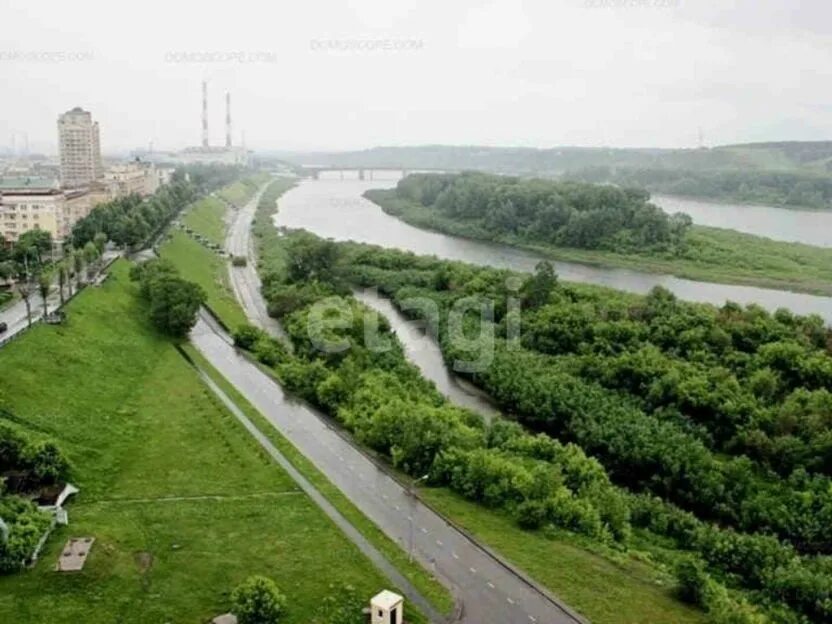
<point>334,208</point>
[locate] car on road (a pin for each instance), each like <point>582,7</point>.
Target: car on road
<point>3,327</point>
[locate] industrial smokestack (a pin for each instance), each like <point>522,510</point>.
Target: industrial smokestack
<point>228,120</point>
<point>204,114</point>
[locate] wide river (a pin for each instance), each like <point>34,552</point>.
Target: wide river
<point>334,208</point>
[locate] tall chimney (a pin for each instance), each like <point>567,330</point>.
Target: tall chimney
<point>204,114</point>
<point>228,120</point>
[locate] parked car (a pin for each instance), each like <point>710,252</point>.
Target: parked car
<point>3,327</point>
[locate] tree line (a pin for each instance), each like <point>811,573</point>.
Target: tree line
<point>777,188</point>
<point>567,213</point>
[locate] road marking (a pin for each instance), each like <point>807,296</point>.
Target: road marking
<point>410,518</point>
<point>438,543</point>
<point>423,530</point>
<point>384,496</point>
<point>397,507</point>
<point>473,570</point>
<point>532,618</point>
<point>490,584</point>
<point>454,555</point>
<point>510,601</point>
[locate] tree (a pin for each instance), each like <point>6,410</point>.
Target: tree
<point>91,256</point>
<point>44,286</point>
<point>174,303</point>
<point>100,242</point>
<point>258,601</point>
<point>24,289</point>
<point>536,290</point>
<point>78,265</point>
<point>63,279</point>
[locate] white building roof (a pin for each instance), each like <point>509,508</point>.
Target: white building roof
<point>386,600</point>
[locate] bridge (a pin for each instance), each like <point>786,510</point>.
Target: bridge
<point>364,172</point>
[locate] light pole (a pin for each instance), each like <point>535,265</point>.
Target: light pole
<point>411,494</point>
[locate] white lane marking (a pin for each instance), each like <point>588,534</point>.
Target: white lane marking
<point>384,496</point>
<point>532,618</point>
<point>438,543</point>
<point>410,518</point>
<point>454,555</point>
<point>397,507</point>
<point>510,601</point>
<point>473,570</point>
<point>490,584</point>
<point>423,530</point>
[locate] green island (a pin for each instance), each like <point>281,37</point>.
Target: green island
<point>601,225</point>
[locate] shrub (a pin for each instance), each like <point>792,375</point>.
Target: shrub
<point>247,335</point>
<point>258,601</point>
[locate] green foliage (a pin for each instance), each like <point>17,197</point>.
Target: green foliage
<point>258,601</point>
<point>246,335</point>
<point>26,524</point>
<point>562,213</point>
<point>174,302</point>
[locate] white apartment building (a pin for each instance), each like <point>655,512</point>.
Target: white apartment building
<point>38,204</point>
<point>80,148</point>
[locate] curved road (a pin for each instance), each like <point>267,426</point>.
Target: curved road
<point>491,591</point>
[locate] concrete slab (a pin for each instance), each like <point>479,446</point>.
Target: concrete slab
<point>74,555</point>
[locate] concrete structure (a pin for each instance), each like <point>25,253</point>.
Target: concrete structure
<point>38,204</point>
<point>79,145</point>
<point>133,177</point>
<point>74,555</point>
<point>387,608</point>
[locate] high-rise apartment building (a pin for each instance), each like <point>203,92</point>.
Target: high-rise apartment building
<point>80,148</point>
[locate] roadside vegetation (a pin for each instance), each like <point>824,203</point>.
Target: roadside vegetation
<point>206,217</point>
<point>183,503</point>
<point>601,225</point>
<point>239,192</point>
<point>652,428</point>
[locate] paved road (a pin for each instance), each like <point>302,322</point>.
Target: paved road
<point>491,592</point>
<point>244,280</point>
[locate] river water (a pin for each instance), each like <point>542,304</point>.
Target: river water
<point>813,227</point>
<point>334,208</point>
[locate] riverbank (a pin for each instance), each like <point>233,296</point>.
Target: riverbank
<point>714,254</point>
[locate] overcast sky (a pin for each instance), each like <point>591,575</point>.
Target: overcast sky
<point>344,75</point>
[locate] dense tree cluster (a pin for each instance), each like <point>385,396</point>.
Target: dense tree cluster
<point>721,411</point>
<point>30,464</point>
<point>174,302</point>
<point>130,221</point>
<point>779,188</point>
<point>571,214</point>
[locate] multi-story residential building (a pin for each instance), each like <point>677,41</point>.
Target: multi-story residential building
<point>133,177</point>
<point>38,204</point>
<point>80,148</point>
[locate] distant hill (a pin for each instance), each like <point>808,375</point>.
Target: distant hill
<point>782,156</point>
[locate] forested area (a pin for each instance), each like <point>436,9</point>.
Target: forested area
<point>592,457</point>
<point>776,188</point>
<point>721,414</point>
<point>570,214</point>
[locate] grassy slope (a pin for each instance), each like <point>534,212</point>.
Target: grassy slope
<point>140,428</point>
<point>207,217</point>
<point>606,589</point>
<point>241,191</point>
<point>198,264</point>
<point>717,255</point>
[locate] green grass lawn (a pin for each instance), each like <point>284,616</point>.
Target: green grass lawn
<point>606,589</point>
<point>208,269</point>
<point>241,191</point>
<point>182,501</point>
<point>207,217</point>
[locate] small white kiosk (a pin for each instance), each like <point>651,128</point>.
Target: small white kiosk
<point>387,608</point>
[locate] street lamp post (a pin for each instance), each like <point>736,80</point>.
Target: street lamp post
<point>411,494</point>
